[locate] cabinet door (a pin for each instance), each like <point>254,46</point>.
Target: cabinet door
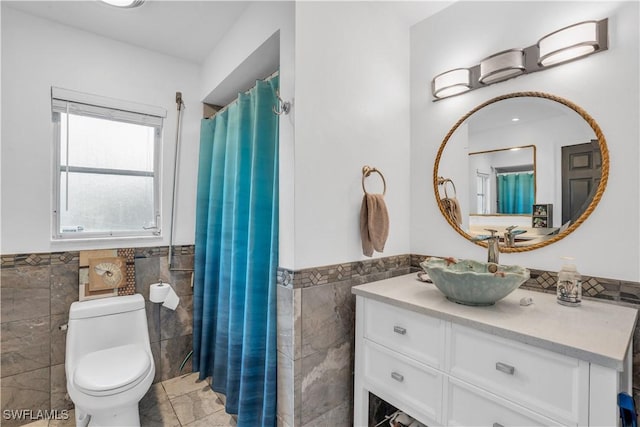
<point>403,382</point>
<point>412,334</point>
<point>470,406</point>
<point>549,383</point>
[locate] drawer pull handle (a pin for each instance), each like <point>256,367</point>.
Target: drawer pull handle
<point>497,425</point>
<point>396,376</point>
<point>503,367</point>
<point>399,330</point>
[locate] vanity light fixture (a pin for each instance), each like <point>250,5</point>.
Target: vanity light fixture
<point>451,83</point>
<point>570,43</point>
<point>501,66</point>
<point>125,4</point>
<point>567,44</point>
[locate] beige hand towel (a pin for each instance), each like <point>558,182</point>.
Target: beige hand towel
<point>452,207</point>
<point>374,223</point>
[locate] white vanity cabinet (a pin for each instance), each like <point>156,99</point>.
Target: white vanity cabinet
<point>503,365</point>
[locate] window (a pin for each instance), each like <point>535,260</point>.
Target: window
<point>106,165</point>
<point>482,193</point>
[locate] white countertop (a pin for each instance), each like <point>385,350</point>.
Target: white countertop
<point>596,332</point>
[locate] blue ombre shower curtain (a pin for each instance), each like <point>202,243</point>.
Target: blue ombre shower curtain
<point>516,193</point>
<point>236,256</point>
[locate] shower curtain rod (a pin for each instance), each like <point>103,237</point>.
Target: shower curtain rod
<point>234,100</point>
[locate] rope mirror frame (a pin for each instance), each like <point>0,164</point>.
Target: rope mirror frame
<point>604,152</point>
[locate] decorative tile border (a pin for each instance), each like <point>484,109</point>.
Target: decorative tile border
<point>39,259</point>
<point>58,258</point>
<point>130,287</point>
<point>183,249</point>
<point>382,268</point>
<point>73,257</point>
<point>357,271</point>
<point>360,271</point>
<point>157,251</point>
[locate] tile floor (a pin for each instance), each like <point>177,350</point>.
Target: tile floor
<point>179,402</point>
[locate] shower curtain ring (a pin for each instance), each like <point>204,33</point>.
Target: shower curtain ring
<point>285,106</point>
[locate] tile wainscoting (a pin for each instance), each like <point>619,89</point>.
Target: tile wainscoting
<point>316,314</point>
<point>36,293</point>
<point>316,318</point>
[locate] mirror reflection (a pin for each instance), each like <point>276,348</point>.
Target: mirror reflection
<point>503,181</point>
<point>529,161</point>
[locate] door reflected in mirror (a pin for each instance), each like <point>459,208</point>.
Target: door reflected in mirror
<point>515,152</point>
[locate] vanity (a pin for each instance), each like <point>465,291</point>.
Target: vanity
<point>447,364</point>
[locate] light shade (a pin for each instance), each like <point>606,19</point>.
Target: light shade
<point>569,43</point>
<point>451,83</point>
<point>502,66</point>
<point>124,3</point>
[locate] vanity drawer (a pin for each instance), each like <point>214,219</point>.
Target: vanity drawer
<point>415,335</point>
<point>470,406</point>
<point>403,382</point>
<point>549,383</point>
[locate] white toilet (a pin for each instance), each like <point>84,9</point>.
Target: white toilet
<point>109,365</point>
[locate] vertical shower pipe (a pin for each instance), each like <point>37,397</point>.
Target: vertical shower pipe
<point>179,105</point>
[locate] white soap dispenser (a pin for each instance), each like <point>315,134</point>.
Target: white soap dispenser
<point>569,288</point>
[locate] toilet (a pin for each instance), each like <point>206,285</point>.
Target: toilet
<point>109,365</point>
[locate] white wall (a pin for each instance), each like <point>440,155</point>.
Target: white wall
<point>606,85</point>
<point>352,109</point>
<point>38,54</point>
<point>258,23</point>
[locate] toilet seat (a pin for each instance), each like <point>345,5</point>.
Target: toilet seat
<point>112,371</point>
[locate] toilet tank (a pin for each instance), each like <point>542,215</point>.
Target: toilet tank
<point>104,323</point>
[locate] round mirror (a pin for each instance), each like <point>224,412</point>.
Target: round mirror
<point>529,165</point>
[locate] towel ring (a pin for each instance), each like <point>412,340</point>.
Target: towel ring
<point>443,181</point>
<point>366,171</point>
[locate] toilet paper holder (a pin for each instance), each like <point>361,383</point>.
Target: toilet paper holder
<point>163,293</point>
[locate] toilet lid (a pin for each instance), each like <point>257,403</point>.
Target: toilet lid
<point>112,370</point>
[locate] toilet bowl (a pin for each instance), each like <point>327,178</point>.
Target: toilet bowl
<point>109,365</point>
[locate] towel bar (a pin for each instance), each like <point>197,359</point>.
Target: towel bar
<point>368,170</point>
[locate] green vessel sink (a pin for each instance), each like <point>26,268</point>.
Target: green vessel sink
<point>471,282</point>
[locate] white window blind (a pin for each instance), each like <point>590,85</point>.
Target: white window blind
<point>107,166</point>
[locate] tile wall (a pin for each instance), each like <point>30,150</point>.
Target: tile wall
<point>316,333</point>
<point>316,319</point>
<point>316,313</point>
<point>36,293</point>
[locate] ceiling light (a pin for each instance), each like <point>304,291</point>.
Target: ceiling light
<point>515,119</point>
<point>569,43</point>
<point>124,3</point>
<point>451,83</point>
<point>501,66</point>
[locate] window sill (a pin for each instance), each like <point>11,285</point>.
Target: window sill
<point>107,242</point>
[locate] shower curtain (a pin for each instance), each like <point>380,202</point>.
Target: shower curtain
<point>236,256</point>
<point>516,193</point>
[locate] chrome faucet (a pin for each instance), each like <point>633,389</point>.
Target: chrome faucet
<point>509,237</point>
<point>493,241</point>
<point>493,246</point>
